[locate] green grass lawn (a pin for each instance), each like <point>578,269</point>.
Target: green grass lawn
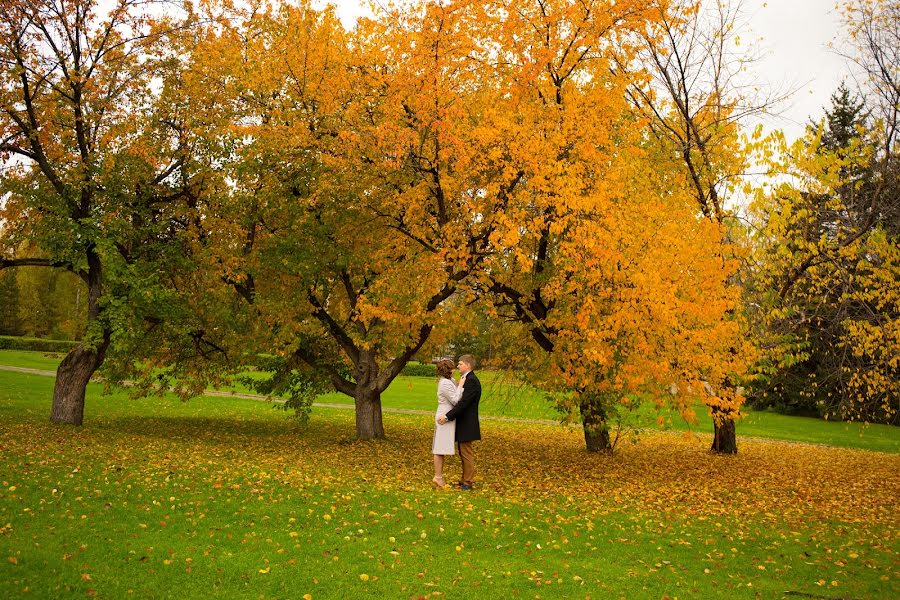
<point>46,361</point>
<point>163,498</point>
<point>503,398</point>
<point>500,397</point>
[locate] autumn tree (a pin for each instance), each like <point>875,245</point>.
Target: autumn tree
<point>588,251</point>
<point>51,302</point>
<point>695,98</point>
<point>826,280</point>
<point>10,323</point>
<point>515,131</point>
<point>343,229</point>
<point>93,171</point>
<point>814,329</point>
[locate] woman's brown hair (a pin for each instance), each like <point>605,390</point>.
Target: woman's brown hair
<point>445,368</point>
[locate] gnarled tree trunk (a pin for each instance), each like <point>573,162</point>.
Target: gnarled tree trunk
<point>596,429</point>
<point>72,377</point>
<point>79,365</point>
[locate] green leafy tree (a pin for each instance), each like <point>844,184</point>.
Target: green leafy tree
<point>96,169</point>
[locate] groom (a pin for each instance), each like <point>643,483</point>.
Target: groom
<point>465,413</point>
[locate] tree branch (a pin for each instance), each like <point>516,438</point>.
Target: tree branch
<point>7,263</point>
<point>334,328</point>
<point>340,384</point>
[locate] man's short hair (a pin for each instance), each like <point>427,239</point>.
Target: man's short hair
<point>468,359</point>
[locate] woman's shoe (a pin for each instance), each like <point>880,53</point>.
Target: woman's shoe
<point>438,482</point>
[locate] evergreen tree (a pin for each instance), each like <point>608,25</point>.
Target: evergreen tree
<point>843,120</point>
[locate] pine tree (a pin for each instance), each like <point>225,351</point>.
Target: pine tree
<point>844,120</point>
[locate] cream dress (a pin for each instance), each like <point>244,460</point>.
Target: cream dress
<point>445,435</point>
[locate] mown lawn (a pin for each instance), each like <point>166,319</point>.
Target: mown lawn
<point>227,497</point>
<point>47,361</point>
<point>504,398</point>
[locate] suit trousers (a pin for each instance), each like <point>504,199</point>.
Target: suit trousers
<point>467,457</point>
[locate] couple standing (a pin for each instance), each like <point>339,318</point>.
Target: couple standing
<point>456,419</point>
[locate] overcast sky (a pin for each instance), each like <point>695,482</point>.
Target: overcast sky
<point>792,38</point>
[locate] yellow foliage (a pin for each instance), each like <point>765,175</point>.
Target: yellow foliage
<point>827,268</point>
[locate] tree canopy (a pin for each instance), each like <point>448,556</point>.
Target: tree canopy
<point>256,185</point>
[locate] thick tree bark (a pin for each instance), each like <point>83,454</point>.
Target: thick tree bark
<point>367,396</point>
<point>724,435</point>
<point>596,429</point>
<point>369,425</point>
<point>81,363</point>
<point>72,377</point>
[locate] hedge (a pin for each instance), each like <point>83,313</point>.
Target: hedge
<point>420,370</point>
<point>9,342</point>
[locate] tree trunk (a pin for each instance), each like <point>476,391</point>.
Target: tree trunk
<point>596,429</point>
<point>369,425</point>
<point>72,377</point>
<point>367,398</point>
<point>724,436</point>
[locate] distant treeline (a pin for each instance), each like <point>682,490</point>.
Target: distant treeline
<point>42,303</point>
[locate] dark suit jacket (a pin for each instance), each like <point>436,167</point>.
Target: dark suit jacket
<point>465,413</point>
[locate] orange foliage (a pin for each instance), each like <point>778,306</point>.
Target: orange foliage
<point>464,147</point>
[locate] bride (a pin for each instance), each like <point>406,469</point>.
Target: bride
<point>444,435</point>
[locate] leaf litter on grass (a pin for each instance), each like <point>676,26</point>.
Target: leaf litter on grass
<point>535,482</point>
